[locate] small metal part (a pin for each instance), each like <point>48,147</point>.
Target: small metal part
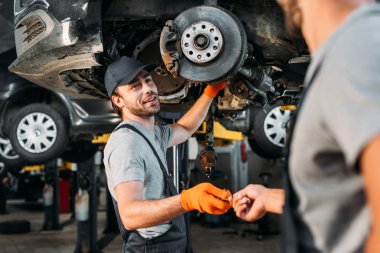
<point>208,160</point>
<point>208,155</point>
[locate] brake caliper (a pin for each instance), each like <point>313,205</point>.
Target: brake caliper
<point>169,47</point>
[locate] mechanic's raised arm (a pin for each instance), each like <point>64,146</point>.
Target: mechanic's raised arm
<point>370,169</point>
<point>190,122</point>
<point>138,213</point>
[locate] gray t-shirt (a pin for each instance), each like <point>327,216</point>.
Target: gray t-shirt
<point>128,157</point>
<point>340,115</point>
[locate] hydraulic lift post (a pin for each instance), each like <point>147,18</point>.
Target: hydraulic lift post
<point>86,201</point>
<point>111,225</point>
<point>208,155</point>
<point>73,188</point>
<point>176,165</point>
<point>51,195</point>
<point>3,197</point>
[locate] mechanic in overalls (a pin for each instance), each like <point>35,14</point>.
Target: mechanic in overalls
<point>331,201</point>
<point>148,206</point>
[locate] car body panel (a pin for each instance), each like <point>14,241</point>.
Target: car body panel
<point>66,46</point>
<point>79,35</point>
<point>67,36</point>
<point>86,116</point>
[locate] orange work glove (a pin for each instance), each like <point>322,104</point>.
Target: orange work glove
<point>206,198</point>
<point>212,91</point>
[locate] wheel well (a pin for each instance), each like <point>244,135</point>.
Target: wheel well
<point>29,96</point>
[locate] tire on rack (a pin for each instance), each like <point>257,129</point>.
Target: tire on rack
<point>3,171</point>
<point>8,155</point>
<point>15,227</point>
<point>39,133</point>
<point>257,149</point>
<point>270,131</point>
<point>79,151</point>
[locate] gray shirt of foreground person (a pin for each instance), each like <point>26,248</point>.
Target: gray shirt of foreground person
<point>127,157</point>
<point>341,113</point>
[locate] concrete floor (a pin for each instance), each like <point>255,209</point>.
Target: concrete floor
<point>205,239</point>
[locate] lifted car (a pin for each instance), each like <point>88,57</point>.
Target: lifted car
<point>66,46</point>
<point>37,125</point>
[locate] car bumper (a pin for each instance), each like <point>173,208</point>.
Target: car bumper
<point>63,39</point>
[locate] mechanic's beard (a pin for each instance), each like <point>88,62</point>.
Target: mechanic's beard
<point>145,113</point>
<point>293,19</point>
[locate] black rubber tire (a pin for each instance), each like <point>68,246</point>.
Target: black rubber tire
<point>11,158</point>
<point>56,148</point>
<point>16,171</point>
<point>260,142</point>
<point>79,151</point>
<point>257,149</point>
<point>3,171</point>
<point>15,227</point>
<point>14,163</point>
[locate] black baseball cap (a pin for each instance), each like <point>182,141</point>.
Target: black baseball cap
<point>123,70</point>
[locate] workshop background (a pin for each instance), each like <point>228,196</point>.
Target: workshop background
<point>55,117</point>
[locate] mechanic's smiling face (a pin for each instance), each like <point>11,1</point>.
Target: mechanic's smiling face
<point>293,16</point>
<point>140,97</point>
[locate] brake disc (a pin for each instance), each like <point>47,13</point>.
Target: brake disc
<point>213,44</point>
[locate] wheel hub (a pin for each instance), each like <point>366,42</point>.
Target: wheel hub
<point>36,132</point>
<point>202,42</point>
<point>275,126</point>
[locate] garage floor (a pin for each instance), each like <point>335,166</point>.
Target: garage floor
<point>205,238</point>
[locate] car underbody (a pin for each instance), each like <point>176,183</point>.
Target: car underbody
<point>67,45</point>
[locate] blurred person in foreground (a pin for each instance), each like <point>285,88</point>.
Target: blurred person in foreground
<point>331,200</point>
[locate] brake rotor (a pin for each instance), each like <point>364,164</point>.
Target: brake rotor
<point>213,44</point>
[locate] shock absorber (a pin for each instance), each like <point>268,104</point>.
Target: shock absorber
<point>208,155</point>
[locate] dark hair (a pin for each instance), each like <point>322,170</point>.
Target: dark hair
<point>116,108</point>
